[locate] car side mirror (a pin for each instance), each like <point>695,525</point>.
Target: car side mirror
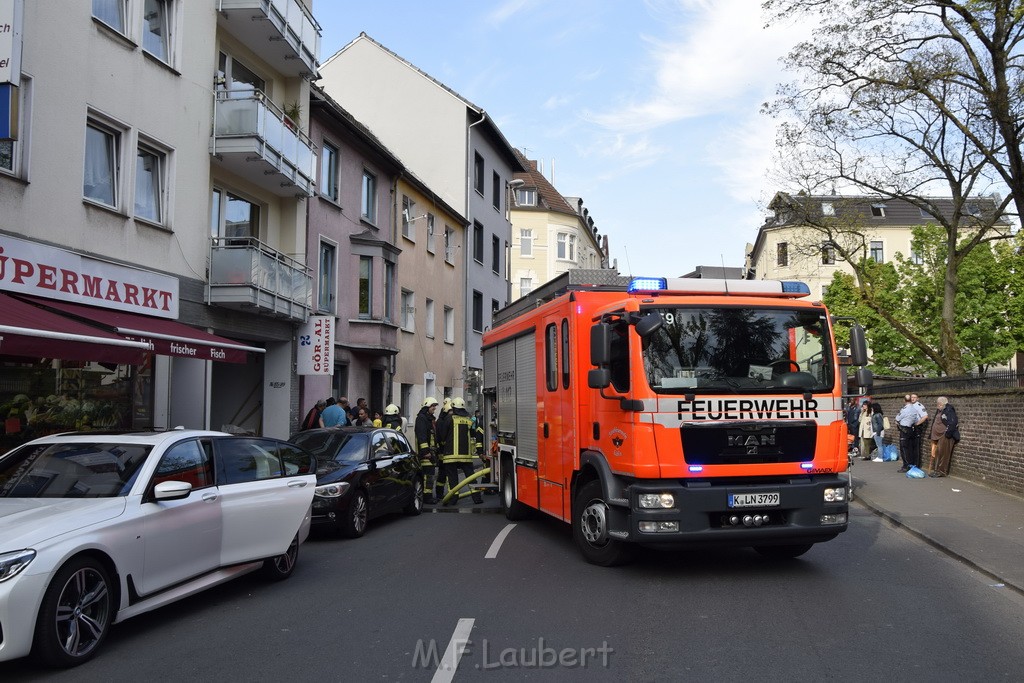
<point>172,490</point>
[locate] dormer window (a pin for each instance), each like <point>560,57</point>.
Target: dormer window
<point>827,209</point>
<point>878,210</point>
<point>973,209</point>
<point>526,196</point>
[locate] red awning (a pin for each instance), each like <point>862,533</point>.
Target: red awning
<point>29,331</point>
<point>168,337</point>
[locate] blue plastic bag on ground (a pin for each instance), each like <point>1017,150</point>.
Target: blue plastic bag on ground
<point>890,453</point>
<point>916,473</point>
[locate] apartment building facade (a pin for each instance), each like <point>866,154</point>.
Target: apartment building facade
<point>551,233</point>
<point>155,201</point>
<point>457,150</point>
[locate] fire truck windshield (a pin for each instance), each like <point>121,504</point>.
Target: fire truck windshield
<point>739,350</point>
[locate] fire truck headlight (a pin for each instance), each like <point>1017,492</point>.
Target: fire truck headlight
<point>656,500</point>
<point>659,527</point>
<point>836,495</point>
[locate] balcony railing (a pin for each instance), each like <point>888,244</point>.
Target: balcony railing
<point>280,31</point>
<point>253,138</point>
<point>246,274</point>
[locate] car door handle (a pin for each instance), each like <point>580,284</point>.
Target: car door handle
<point>296,484</point>
<point>210,497</point>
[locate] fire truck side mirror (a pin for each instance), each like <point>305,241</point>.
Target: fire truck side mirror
<point>648,325</point>
<point>599,378</point>
<point>865,380</point>
<point>600,345</point>
<point>858,346</point>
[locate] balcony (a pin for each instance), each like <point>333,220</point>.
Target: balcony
<point>247,275</point>
<point>280,31</point>
<point>253,139</point>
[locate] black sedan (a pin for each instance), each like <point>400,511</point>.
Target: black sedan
<point>363,473</point>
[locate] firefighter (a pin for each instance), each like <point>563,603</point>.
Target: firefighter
<point>456,442</point>
<point>426,446</point>
<point>392,419</point>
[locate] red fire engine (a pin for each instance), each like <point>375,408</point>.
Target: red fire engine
<point>671,411</point>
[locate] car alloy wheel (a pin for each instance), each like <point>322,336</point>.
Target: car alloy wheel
<point>75,615</point>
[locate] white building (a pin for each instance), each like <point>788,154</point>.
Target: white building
<point>153,151</point>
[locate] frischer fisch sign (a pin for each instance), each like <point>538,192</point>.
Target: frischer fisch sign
<point>45,271</point>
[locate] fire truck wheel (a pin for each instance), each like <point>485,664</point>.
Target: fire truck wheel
<point>590,529</point>
<point>783,552</point>
<point>514,510</point>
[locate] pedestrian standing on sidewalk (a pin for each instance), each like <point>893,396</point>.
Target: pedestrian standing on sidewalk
<point>908,420</point>
<point>864,431</point>
<point>878,426</point>
<point>949,437</point>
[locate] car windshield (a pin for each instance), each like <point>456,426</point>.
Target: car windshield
<point>71,470</point>
<point>739,350</point>
<point>334,446</point>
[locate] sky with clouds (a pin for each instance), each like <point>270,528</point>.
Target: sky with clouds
<point>648,110</point>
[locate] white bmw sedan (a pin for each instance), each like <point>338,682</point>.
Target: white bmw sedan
<point>96,528</point>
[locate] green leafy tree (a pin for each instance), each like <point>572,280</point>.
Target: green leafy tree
<point>913,296</point>
<point>907,99</point>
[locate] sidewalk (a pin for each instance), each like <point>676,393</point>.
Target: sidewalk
<point>975,524</point>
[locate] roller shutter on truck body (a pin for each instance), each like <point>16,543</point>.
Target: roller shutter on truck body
<point>516,396</point>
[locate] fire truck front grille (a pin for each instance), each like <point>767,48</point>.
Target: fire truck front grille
<point>746,443</point>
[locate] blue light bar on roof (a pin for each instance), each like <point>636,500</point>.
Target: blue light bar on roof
<point>646,284</point>
<point>795,287</point>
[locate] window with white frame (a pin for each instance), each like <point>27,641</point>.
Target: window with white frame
<point>233,216</point>
<point>326,282</point>
<point>525,242</point>
<point>478,173</point>
<point>151,183</point>
<point>428,317</point>
<point>525,285</point>
<point>369,197</point>
<point>389,291</point>
<point>365,287</point>
<point>526,196</point>
<point>878,210</point>
<point>828,254</point>
<point>157,29</point>
<point>478,242</point>
<point>12,152</point>
<point>449,244</point>
<point>827,209</point>
<point>102,163</point>
<point>566,247</point>
<point>430,233</point>
<point>449,325</point>
<point>329,171</point>
<point>112,13</point>
<point>408,311</point>
<point>877,251</point>
<point>782,254</point>
<point>408,214</point>
<point>916,258</point>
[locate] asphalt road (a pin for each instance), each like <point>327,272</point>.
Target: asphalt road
<point>873,604</point>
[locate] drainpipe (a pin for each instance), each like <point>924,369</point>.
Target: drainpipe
<point>468,301</point>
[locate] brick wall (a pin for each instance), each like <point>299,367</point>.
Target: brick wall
<point>991,449</point>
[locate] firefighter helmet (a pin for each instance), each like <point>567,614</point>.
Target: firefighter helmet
<point>429,401</point>
<point>447,405</point>
<point>459,402</point>
<point>392,409</point>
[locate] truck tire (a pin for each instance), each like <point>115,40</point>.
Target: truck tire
<point>783,552</point>
<point>590,528</point>
<point>514,510</point>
